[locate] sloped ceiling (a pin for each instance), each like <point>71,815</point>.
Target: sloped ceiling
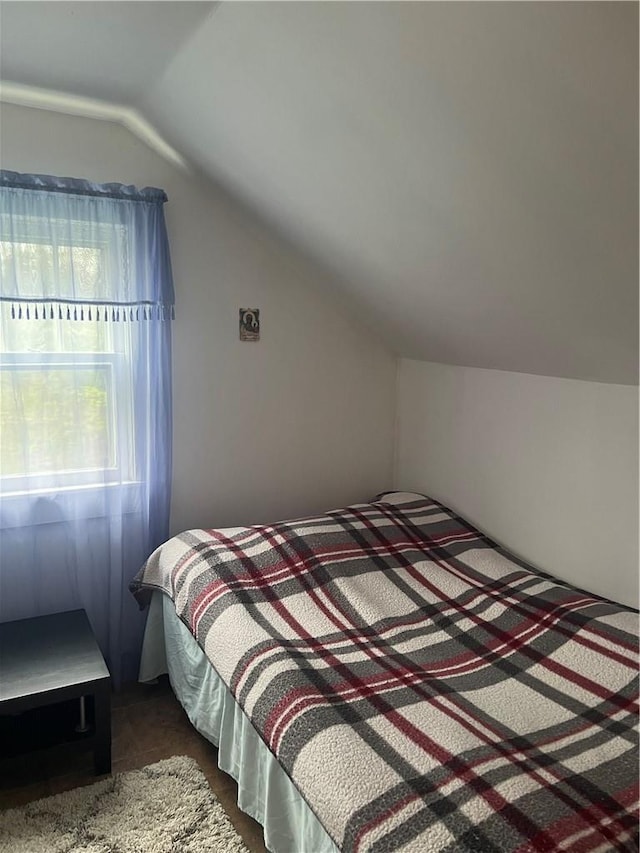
<point>467,171</point>
<point>110,50</point>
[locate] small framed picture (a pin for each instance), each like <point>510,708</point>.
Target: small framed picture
<point>249,324</point>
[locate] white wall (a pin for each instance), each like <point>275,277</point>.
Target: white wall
<point>547,466</point>
<point>299,422</point>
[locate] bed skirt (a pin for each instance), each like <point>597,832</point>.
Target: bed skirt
<point>264,790</point>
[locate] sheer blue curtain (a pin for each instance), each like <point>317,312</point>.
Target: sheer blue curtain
<point>86,301</point>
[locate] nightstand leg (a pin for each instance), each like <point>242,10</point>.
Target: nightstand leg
<point>102,745</point>
<point>82,726</point>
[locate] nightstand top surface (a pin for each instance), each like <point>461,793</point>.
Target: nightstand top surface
<point>48,653</point>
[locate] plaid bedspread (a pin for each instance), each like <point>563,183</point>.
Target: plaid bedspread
<point>424,689</point>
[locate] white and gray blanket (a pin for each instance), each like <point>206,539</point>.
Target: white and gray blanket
<point>424,689</point>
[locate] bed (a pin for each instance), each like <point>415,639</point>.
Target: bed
<point>385,677</point>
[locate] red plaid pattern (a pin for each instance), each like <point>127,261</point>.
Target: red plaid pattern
<point>424,689</point>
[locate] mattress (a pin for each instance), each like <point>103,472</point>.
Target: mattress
<point>264,790</point>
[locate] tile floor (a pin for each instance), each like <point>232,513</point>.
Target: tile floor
<point>148,724</point>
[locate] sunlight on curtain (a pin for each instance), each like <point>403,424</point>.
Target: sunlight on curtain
<point>86,297</point>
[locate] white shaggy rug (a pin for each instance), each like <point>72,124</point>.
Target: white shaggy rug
<point>167,807</point>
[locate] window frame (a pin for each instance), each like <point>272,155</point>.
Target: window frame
<point>121,423</point>
<point>118,359</point>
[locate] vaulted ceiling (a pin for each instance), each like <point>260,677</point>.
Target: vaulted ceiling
<point>468,171</point>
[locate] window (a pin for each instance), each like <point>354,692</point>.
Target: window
<point>66,412</point>
<point>86,300</point>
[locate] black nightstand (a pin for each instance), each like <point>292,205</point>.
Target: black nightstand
<point>46,664</point>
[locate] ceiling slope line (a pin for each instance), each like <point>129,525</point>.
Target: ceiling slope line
<point>63,102</point>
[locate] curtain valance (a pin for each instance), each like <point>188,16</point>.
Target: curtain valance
<point>76,250</point>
